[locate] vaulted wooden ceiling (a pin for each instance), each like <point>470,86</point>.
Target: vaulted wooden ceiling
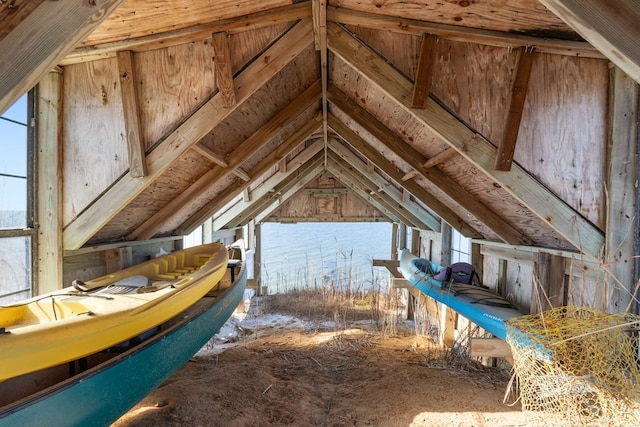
<point>415,107</point>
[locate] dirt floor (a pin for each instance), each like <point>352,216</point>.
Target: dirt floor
<point>287,372</point>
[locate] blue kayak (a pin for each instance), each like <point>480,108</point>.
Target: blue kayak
<point>480,305</point>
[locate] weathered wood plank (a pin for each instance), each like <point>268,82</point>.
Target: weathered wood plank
<point>234,159</point>
<point>490,347</point>
<point>49,195</point>
<point>394,194</point>
<point>197,32</point>
<point>507,145</point>
<point>187,134</point>
<point>457,33</point>
<point>131,110</point>
<point>434,175</point>
<point>549,289</point>
<point>622,204</point>
<point>209,154</point>
<point>224,74</point>
<point>611,26</point>
<point>422,81</point>
<point>274,157</point>
<point>471,145</point>
<point>44,37</point>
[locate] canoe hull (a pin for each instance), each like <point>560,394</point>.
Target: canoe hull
<point>468,303</point>
<point>105,392</point>
<point>65,325</point>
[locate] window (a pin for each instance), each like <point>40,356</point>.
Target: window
<point>460,247</point>
<point>16,224</point>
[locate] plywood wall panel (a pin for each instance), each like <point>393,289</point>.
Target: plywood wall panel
<point>562,139</point>
<point>173,82</point>
<point>95,151</point>
<point>528,16</point>
<point>137,18</point>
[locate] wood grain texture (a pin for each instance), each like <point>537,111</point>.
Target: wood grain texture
<point>562,138</point>
<point>92,107</point>
<point>41,39</point>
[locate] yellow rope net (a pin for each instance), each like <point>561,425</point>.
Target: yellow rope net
<point>577,366</point>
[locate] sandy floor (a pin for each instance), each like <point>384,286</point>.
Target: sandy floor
<point>285,371</point>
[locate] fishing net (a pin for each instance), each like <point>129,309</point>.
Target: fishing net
<point>577,366</point>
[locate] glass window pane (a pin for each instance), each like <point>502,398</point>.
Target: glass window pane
<point>13,146</point>
<point>13,202</point>
<point>15,269</point>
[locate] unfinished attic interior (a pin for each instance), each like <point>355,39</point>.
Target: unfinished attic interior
<point>514,123</point>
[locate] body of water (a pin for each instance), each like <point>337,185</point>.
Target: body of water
<point>311,255</point>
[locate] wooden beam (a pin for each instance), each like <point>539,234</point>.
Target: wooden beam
<point>621,262</point>
<point>481,153</point>
<point>240,173</point>
<point>235,158</point>
<point>361,188</point>
<point>131,110</point>
<point>507,146</point>
<point>243,210</point>
<point>319,13</point>
<point>224,74</point>
<point>391,265</point>
<point>458,33</point>
<point>490,347</point>
<point>253,21</point>
<point>210,154</point>
<point>384,164</point>
<point>201,122</point>
<point>549,288</point>
<point>279,154</point>
<point>42,39</point>
<point>441,157</point>
<point>415,159</point>
<point>291,186</point>
<point>611,26</point>
<point>49,176</point>
<point>422,81</point>
<point>395,195</point>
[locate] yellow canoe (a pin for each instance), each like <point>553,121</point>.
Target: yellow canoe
<point>74,322</point>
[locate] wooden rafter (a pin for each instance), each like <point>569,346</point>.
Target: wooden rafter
<point>234,159</point>
<point>415,159</point>
<point>507,145</point>
<point>243,210</point>
<point>131,110</point>
<point>201,122</point>
<point>395,195</point>
<point>359,144</point>
<point>554,211</point>
<point>42,39</point>
<point>356,188</point>
<point>191,34</point>
<point>611,26</point>
<point>348,166</point>
<point>274,157</point>
<point>458,33</point>
<point>303,176</point>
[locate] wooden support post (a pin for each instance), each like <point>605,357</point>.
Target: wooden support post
<point>549,288</point>
<point>117,259</point>
<point>49,195</point>
<point>622,203</point>
<point>256,259</point>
